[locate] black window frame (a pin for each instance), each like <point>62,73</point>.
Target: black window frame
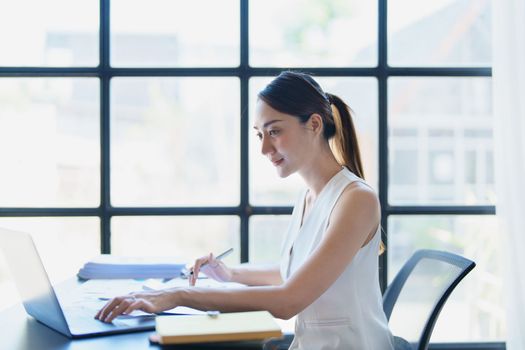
<point>104,72</point>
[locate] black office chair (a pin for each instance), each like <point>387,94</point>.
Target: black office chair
<point>419,291</point>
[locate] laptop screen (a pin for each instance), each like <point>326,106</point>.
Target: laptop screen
<point>31,279</point>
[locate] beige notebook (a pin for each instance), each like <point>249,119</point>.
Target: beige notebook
<point>253,325</point>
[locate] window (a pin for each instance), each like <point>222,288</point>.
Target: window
<point>128,128</point>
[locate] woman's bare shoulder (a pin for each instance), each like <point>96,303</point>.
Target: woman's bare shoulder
<point>359,193</point>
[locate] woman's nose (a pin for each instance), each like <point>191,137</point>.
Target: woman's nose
<point>266,146</point>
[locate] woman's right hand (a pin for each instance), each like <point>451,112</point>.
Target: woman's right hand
<point>151,302</point>
<point>212,268</point>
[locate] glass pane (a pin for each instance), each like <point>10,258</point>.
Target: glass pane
<point>184,237</point>
<point>475,310</point>
<point>439,33</point>
<point>162,33</point>
<point>266,188</point>
<point>440,141</point>
<point>303,33</point>
<point>175,141</point>
<point>49,142</point>
<point>267,233</point>
<point>57,33</point>
<point>63,243</point>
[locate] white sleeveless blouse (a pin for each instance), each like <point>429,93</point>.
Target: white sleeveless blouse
<point>349,315</point>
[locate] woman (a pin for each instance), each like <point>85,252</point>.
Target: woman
<point>328,275</point>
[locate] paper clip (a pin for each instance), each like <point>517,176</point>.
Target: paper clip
<point>213,313</point>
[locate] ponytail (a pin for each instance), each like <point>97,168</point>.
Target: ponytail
<point>344,143</point>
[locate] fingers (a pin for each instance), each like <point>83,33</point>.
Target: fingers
<point>133,306</point>
<point>118,306</point>
<point>194,274</point>
<point>195,270</point>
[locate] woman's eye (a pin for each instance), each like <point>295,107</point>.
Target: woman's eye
<point>259,136</point>
<point>273,132</point>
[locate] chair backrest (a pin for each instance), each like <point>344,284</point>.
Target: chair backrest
<point>420,289</point>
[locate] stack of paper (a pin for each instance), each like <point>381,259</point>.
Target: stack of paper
<point>108,266</point>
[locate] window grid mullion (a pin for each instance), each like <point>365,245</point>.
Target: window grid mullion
<point>382,72</point>
<point>105,142</point>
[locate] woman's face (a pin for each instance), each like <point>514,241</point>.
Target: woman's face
<point>284,140</point>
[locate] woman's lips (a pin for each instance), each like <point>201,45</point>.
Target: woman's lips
<point>277,162</point>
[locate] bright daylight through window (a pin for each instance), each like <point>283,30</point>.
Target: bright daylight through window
<point>129,130</point>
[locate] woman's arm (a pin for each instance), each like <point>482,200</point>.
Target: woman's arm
<point>352,223</point>
<point>253,275</point>
<point>250,275</point>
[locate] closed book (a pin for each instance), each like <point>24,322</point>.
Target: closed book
<point>235,326</point>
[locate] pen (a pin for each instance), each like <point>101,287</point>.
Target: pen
<point>218,257</point>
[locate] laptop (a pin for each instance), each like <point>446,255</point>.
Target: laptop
<point>64,307</point>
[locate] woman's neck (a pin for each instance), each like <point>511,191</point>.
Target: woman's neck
<point>318,172</point>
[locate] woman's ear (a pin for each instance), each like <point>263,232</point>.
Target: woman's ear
<point>315,123</point>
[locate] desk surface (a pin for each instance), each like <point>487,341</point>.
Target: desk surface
<point>23,332</point>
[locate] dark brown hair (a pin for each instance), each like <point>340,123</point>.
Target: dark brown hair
<point>298,94</point>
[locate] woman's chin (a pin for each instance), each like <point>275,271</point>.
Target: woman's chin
<point>283,173</point>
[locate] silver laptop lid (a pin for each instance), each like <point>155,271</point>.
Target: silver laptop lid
<point>31,279</point>
<point>40,298</point>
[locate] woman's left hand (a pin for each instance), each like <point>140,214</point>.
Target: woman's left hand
<point>152,302</point>
<point>212,268</point>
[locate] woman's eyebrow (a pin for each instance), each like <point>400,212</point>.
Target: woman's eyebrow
<point>268,123</point>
